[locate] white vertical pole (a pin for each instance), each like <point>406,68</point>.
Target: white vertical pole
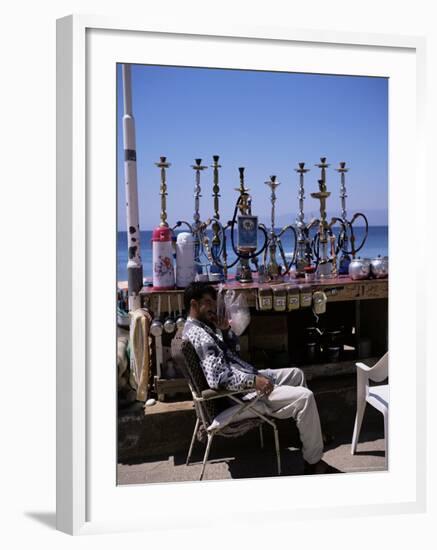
<point>134,264</point>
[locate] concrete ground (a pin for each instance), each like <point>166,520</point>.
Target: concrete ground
<point>232,460</point>
<point>153,442</point>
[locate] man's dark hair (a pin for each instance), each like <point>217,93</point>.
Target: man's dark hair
<point>195,291</point>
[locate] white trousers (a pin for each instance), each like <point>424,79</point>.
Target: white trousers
<point>290,398</point>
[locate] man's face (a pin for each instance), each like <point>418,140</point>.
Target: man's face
<point>205,310</point>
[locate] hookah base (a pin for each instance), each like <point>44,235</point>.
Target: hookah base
<point>244,273</point>
<point>276,280</point>
<point>216,278</point>
<point>324,271</point>
<point>243,280</point>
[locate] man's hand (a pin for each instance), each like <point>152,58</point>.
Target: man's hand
<point>263,385</point>
<point>223,323</point>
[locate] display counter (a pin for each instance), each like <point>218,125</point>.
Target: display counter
<point>282,316</point>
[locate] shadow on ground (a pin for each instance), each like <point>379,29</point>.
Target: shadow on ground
<point>369,453</point>
<point>264,465</point>
<point>248,446</point>
<point>45,518</point>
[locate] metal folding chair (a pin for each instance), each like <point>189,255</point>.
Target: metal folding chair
<point>206,404</point>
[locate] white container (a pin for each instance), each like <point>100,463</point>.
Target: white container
<point>185,267</point>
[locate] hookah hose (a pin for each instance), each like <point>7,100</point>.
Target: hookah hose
<point>315,245</point>
<point>196,232</point>
<point>180,222</point>
<point>261,250</point>
<point>281,248</point>
<point>349,224</point>
<point>246,256</point>
<point>216,257</point>
<point>311,243</point>
<point>315,249</point>
<point>211,253</point>
<point>239,255</point>
<point>341,235</point>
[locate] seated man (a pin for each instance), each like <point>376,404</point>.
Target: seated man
<point>284,392</point>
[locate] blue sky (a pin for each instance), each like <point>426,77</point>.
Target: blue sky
<point>265,121</point>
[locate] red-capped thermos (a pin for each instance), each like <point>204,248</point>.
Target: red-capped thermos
<point>162,255</point>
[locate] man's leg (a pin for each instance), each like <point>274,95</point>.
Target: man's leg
<point>292,399</point>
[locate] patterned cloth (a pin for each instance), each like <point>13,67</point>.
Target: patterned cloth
<point>140,341</point>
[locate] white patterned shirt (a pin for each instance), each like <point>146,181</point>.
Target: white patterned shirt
<point>222,367</point>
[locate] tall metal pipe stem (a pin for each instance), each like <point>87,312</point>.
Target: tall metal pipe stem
<point>300,220</point>
<point>197,190</point>
<point>134,264</point>
<point>163,165</point>
<point>323,165</point>
<point>245,208</point>
<point>215,243</point>
<point>302,258</point>
<point>343,195</point>
<point>216,195</point>
<point>196,216</point>
<point>344,256</point>
<point>273,269</point>
<point>323,268</point>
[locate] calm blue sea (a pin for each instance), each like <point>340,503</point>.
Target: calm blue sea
<point>377,243</point>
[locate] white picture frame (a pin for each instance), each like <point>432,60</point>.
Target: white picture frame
<point>86,500</point>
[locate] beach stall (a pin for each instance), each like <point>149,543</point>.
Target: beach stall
<point>311,300</point>
<point>310,293</point>
<point>283,330</point>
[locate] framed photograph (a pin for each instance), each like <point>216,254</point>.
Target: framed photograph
<point>266,100</point>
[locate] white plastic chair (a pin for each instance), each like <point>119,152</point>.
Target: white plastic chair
<point>377,396</point>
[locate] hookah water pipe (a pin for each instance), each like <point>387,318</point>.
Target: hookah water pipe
<point>246,247</point>
<point>247,231</point>
<point>218,247</point>
<point>325,261</point>
<point>348,235</point>
<point>274,271</point>
<point>197,227</point>
<point>202,252</point>
<point>162,248</point>
<point>303,249</point>
<point>213,249</point>
<point>163,165</point>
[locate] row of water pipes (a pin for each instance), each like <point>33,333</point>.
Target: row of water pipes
<point>317,248</point>
<point>203,243</point>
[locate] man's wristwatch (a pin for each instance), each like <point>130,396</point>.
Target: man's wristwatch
<point>251,382</point>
